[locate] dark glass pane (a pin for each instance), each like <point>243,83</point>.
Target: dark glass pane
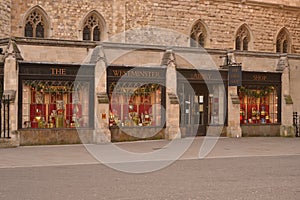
<point>40,30</point>
<point>96,34</point>
<point>192,41</point>
<point>201,40</point>
<point>86,33</point>
<point>245,44</point>
<point>28,30</point>
<point>285,46</point>
<point>278,46</point>
<point>238,43</point>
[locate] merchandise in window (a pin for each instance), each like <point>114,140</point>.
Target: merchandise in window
<point>133,104</point>
<point>259,105</point>
<point>55,104</point>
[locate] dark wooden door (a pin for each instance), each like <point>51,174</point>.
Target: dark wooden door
<point>203,107</point>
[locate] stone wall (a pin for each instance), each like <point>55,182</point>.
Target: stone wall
<point>222,18</point>
<point>65,15</point>
<point>5,18</point>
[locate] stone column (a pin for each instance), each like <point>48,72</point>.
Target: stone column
<point>102,132</point>
<point>286,128</point>
<point>10,87</point>
<point>172,103</point>
<point>234,128</point>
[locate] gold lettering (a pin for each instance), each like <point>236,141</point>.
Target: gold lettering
<point>58,71</point>
<point>119,73</point>
<point>259,77</point>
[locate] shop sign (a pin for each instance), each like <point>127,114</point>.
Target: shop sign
<point>56,70</point>
<point>195,75</point>
<point>130,72</point>
<point>261,77</point>
<point>135,73</point>
<point>235,76</point>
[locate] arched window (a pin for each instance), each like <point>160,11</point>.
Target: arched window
<point>40,32</point>
<point>242,39</point>
<point>35,24</point>
<point>91,30</point>
<point>238,43</point>
<point>283,42</point>
<point>28,30</point>
<point>96,34</point>
<point>198,35</point>
<point>245,44</point>
<point>86,33</point>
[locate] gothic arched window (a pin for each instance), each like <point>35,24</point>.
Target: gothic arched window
<point>86,33</point>
<point>35,25</point>
<point>28,30</point>
<point>242,39</point>
<point>198,35</point>
<point>91,30</point>
<point>283,42</point>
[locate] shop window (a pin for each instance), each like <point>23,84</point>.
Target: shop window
<point>35,24</point>
<point>198,35</point>
<point>198,106</point>
<point>134,104</point>
<point>258,105</point>
<point>55,104</point>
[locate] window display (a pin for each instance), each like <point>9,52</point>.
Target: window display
<point>134,104</point>
<point>55,104</point>
<point>258,105</point>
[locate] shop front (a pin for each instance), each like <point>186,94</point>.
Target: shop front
<point>203,104</point>
<point>260,100</point>
<point>136,102</point>
<point>54,99</point>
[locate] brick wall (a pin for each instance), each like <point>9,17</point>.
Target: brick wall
<point>222,17</point>
<point>4,18</point>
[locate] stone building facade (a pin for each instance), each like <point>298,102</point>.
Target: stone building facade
<point>261,36</point>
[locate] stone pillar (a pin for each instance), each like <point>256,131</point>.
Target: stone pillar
<point>10,88</point>
<point>234,128</point>
<point>172,103</point>
<point>102,132</point>
<point>286,128</point>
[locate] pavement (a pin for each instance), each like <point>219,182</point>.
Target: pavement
<point>179,149</point>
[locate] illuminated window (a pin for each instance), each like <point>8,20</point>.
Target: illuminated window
<point>55,104</point>
<point>259,105</point>
<point>135,104</point>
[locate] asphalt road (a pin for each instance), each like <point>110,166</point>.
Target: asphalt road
<point>248,168</point>
<point>262,177</point>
